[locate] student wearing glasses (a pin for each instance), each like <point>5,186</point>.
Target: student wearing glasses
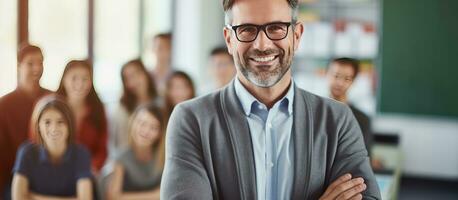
<point>261,137</point>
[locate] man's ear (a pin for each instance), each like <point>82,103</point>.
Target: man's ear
<point>227,38</point>
<point>298,30</point>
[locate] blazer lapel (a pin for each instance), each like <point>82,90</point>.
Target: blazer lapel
<point>302,140</point>
<point>239,134</point>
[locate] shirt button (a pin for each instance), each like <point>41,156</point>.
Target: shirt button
<point>269,125</point>
<point>271,164</point>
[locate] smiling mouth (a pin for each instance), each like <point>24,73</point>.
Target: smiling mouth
<point>264,59</point>
<point>143,136</point>
<point>55,136</point>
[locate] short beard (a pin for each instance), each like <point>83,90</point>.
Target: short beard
<point>266,79</point>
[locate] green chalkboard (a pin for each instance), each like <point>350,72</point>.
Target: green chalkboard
<point>419,57</point>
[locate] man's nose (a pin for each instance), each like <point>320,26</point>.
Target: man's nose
<point>262,42</point>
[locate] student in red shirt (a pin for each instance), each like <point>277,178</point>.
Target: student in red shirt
<point>16,109</point>
<point>77,87</point>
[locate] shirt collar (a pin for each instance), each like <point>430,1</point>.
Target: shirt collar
<point>44,156</point>
<point>247,100</point>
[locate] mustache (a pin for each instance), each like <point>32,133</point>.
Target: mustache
<point>257,52</point>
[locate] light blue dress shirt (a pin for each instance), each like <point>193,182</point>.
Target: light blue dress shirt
<point>272,143</point>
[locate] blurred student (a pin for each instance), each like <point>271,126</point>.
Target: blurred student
<point>16,109</point>
<point>138,170</point>
<point>341,74</point>
<point>179,88</point>
<point>222,66</point>
<point>138,88</point>
<point>77,87</point>
<point>162,49</point>
<point>53,166</point>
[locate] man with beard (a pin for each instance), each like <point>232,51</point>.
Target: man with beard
<point>261,137</point>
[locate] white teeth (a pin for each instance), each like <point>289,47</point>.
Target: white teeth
<point>264,59</point>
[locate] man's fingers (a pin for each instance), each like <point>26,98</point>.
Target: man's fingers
<point>341,188</point>
<point>352,192</point>
<point>334,184</point>
<point>357,197</point>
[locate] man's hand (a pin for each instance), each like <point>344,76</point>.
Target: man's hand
<point>345,188</point>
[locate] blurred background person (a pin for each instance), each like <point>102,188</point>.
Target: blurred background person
<point>77,87</point>
<point>53,167</point>
<point>138,88</point>
<point>221,66</point>
<point>340,74</point>
<point>162,49</point>
<point>16,110</point>
<point>137,172</point>
<point>179,88</point>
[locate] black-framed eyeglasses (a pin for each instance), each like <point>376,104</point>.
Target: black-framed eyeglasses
<point>249,32</point>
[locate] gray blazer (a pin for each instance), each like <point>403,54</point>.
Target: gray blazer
<point>209,153</point>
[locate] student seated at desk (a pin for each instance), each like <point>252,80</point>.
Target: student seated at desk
<point>138,170</point>
<point>52,166</point>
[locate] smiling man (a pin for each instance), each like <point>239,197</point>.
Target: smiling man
<point>261,137</point>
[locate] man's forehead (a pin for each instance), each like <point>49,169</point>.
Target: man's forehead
<point>260,11</point>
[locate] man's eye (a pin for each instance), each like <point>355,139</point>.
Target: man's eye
<point>275,28</point>
<point>247,29</point>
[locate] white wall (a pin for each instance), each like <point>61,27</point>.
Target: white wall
<point>198,28</point>
<point>429,144</point>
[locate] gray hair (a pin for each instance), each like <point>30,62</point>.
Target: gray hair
<point>227,6</point>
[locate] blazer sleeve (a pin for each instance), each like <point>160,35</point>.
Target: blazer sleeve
<point>352,156</point>
<point>184,176</point>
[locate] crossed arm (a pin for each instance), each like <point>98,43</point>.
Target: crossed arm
<point>20,190</point>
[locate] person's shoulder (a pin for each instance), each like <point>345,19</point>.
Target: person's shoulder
<point>27,150</point>
<point>8,99</point>
<point>123,155</point>
<point>357,111</point>
<point>203,104</point>
<point>322,103</point>
<point>359,115</point>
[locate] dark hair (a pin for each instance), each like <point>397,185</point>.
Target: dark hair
<point>347,62</point>
<point>27,49</point>
<point>219,50</point>
<point>168,105</point>
<point>97,111</point>
<point>128,98</point>
<point>167,36</point>
<point>44,104</point>
<point>158,147</point>
<point>227,5</point>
